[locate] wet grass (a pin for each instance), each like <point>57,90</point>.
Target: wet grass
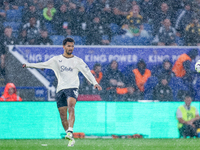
<point>102,144</point>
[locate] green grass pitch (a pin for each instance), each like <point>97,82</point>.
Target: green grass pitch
<point>102,144</point>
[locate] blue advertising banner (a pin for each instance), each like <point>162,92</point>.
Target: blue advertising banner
<point>104,54</point>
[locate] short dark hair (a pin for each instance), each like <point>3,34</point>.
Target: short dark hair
<point>68,39</point>
<point>96,65</point>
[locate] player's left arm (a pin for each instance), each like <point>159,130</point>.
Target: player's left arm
<point>85,70</point>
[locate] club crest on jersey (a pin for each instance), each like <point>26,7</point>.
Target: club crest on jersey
<point>64,68</point>
<point>86,67</point>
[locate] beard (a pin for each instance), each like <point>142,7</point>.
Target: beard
<point>69,53</point>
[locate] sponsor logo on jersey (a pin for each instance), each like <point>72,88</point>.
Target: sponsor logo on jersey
<point>64,68</point>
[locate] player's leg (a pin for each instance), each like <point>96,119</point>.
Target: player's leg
<point>63,116</point>
<point>71,102</point>
<point>62,108</point>
<point>72,95</point>
<point>71,109</point>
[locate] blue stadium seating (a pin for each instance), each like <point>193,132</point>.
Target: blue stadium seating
<point>49,27</point>
<point>14,16</point>
<point>57,39</point>
<point>114,28</point>
<point>14,25</point>
<point>179,41</point>
<point>78,39</point>
<point>148,87</point>
<point>121,40</point>
<point>140,40</point>
<point>148,27</point>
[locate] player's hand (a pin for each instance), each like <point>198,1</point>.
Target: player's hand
<point>97,86</point>
<point>24,65</point>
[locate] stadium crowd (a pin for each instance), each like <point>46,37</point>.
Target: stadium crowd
<point>110,22</point>
<point>116,22</point>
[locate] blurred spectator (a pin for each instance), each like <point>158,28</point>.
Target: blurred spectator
<point>72,4</point>
<point>166,70</point>
<point>2,50</point>
<point>87,87</point>
<point>22,38</point>
<point>140,75</point>
<point>2,15</point>
<point>62,20</point>
<point>49,11</point>
<point>162,91</point>
<point>121,9</point>
<point>133,24</point>
<point>106,11</point>
<point>33,30</point>
<point>182,68</point>
<point>79,22</point>
<point>6,5</point>
<point>188,118</point>
<point>91,8</point>
<point>95,31</point>
<point>160,16</point>
<point>192,32</point>
<point>147,10</point>
<point>31,11</point>
<point>183,19</point>
<point>113,82</point>
<point>196,6</point>
<point>133,92</point>
<point>9,39</point>
<point>10,93</point>
<point>44,38</point>
<point>167,34</point>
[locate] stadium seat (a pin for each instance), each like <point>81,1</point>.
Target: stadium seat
<point>57,39</point>
<point>147,27</point>
<point>179,41</point>
<point>14,25</point>
<point>49,28</point>
<point>114,28</point>
<point>148,88</point>
<point>140,40</point>
<point>14,16</point>
<point>121,40</point>
<point>78,39</point>
<point>177,84</point>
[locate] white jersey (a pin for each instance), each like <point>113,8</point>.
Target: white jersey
<point>66,71</point>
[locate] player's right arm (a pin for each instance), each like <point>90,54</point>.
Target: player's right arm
<point>50,64</point>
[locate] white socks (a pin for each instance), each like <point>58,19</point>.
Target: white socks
<point>69,129</point>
